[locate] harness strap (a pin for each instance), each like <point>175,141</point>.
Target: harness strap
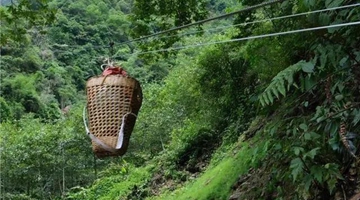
<point>102,144</point>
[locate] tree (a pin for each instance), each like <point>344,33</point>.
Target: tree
<point>17,18</point>
<point>158,15</point>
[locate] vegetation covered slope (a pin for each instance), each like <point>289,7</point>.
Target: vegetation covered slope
<point>272,118</point>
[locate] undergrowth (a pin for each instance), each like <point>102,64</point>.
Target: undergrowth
<point>117,181</point>
<point>217,180</point>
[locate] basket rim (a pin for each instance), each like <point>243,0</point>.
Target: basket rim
<point>112,75</point>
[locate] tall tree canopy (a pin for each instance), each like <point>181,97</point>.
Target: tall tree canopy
<point>17,17</point>
<point>155,15</point>
<point>216,119</point>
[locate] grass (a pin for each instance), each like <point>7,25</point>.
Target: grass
<point>214,183</point>
<point>217,180</point>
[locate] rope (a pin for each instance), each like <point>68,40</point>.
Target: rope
<point>253,37</point>
<point>257,21</point>
<point>223,27</point>
<point>206,20</point>
<point>109,63</point>
<point>265,20</point>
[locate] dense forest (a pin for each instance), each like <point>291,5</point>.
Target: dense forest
<point>260,104</point>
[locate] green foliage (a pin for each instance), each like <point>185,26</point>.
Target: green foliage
<point>190,146</point>
<point>31,61</point>
<point>56,154</point>
<point>282,82</point>
<point>164,111</point>
<point>20,16</point>
<point>198,103</point>
<point>16,196</point>
<point>116,182</point>
<point>183,12</point>
<point>216,181</point>
<point>315,141</point>
<point>228,85</point>
<point>5,110</point>
<point>23,94</point>
<point>153,16</point>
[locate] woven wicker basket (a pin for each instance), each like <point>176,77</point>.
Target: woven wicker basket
<point>109,99</point>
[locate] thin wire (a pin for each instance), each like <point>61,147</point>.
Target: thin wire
<point>223,27</point>
<point>206,20</point>
<point>261,21</point>
<point>253,37</point>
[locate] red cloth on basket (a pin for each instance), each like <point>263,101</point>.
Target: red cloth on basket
<point>113,71</point>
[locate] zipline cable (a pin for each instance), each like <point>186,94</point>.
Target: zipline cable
<point>206,20</point>
<point>223,27</point>
<point>241,24</point>
<point>263,20</point>
<point>253,37</point>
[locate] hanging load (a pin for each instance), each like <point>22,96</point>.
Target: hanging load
<point>113,102</point>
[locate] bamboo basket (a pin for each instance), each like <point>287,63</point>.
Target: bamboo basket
<point>110,99</point>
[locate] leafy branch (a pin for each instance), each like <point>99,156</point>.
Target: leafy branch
<point>282,82</point>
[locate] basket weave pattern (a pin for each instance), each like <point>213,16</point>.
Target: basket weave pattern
<point>109,99</point>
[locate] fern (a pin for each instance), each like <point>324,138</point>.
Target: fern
<point>278,84</point>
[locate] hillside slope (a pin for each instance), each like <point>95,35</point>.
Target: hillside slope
<point>224,117</point>
<point>302,99</point>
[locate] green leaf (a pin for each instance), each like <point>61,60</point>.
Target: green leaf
<point>333,3</point>
<point>343,61</point>
<point>278,146</point>
<point>267,102</point>
<point>262,101</point>
<point>309,3</point>
<point>323,55</point>
<point>314,135</point>
<point>277,84</point>
<point>281,88</point>
<point>334,129</point>
<point>333,142</point>
<point>321,118</point>
<point>309,83</point>
<point>332,30</point>
<point>273,130</point>
<point>308,181</point>
<point>339,97</point>
<point>302,83</point>
<point>341,87</point>
<point>332,184</point>
<point>270,97</point>
<point>296,165</point>
<point>317,172</point>
<point>324,19</point>
<point>311,154</point>
<point>306,103</point>
<point>303,126</point>
<point>275,92</point>
<point>307,67</point>
<point>298,150</point>
<point>356,113</point>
